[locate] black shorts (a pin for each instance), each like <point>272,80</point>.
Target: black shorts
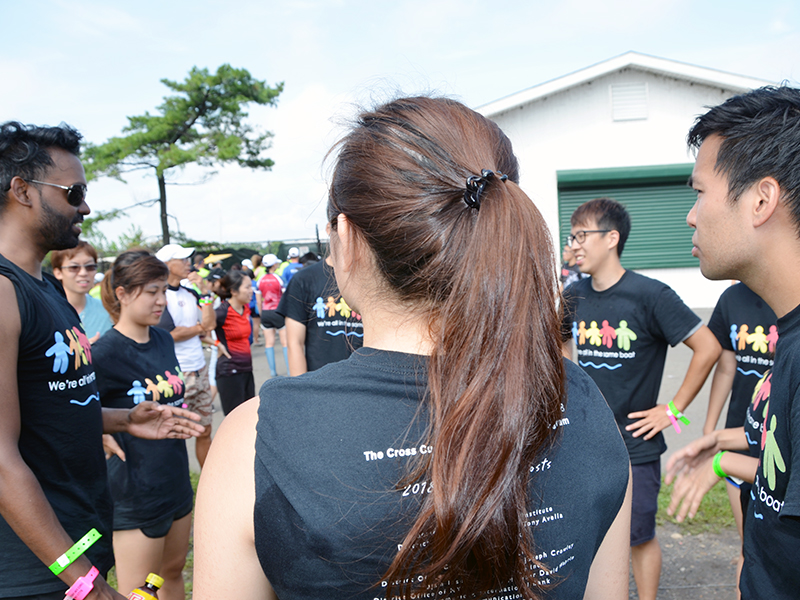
<point>272,320</point>
<point>235,389</point>
<point>161,529</point>
<point>646,484</point>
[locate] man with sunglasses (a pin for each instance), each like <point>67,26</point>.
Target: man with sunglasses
<point>622,324</point>
<point>54,495</point>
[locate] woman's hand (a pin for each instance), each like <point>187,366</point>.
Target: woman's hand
<point>154,421</point>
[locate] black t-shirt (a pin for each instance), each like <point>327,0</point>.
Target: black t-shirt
<point>772,528</point>
<point>754,429</point>
<point>622,335</point>
<point>61,425</point>
<point>333,331</point>
<point>332,446</point>
<point>743,323</point>
<point>153,482</point>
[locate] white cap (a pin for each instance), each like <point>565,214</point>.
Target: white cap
<point>172,251</point>
<point>270,260</point>
<point>294,253</point>
<point>98,277</point>
<point>247,263</point>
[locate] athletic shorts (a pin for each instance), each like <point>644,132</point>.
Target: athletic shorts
<point>197,395</point>
<point>235,389</point>
<point>161,529</point>
<point>646,484</point>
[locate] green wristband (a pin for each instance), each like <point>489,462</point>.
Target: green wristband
<point>81,546</point>
<point>678,414</point>
<point>718,467</point>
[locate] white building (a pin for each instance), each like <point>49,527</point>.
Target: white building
<point>618,129</point>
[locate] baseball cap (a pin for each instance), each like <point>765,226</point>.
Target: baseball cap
<point>215,274</point>
<point>294,252</point>
<point>172,251</point>
<point>247,263</point>
<point>269,260</point>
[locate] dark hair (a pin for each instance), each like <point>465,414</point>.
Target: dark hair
<point>24,151</point>
<point>309,258</point>
<point>59,257</point>
<point>132,271</point>
<point>495,376</point>
<point>761,138</point>
<point>231,282</point>
<point>608,214</point>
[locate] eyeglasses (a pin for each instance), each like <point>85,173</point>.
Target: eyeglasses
<point>75,269</point>
<point>580,236</point>
<point>76,193</point>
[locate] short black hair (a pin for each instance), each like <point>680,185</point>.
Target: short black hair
<point>24,151</point>
<point>608,214</point>
<point>760,133</point>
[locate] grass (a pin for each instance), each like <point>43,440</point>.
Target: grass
<point>713,516</point>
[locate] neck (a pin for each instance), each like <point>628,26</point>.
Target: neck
<point>399,331</point>
<point>16,245</point>
<point>768,277</point>
<point>77,300</point>
<point>236,304</point>
<point>137,332</point>
<point>173,280</point>
<point>608,274</point>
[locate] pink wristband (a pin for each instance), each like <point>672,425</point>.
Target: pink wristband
<point>82,586</point>
<point>674,420</point>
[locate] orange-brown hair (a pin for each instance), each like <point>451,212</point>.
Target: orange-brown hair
<point>496,377</point>
<point>59,257</point>
<point>132,271</point>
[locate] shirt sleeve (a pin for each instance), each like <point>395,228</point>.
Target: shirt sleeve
<point>165,322</point>
<point>674,319</point>
<point>294,300</point>
<point>718,324</point>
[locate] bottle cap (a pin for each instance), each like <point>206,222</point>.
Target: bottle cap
<point>155,580</point>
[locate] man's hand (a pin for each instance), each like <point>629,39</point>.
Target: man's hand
<point>690,489</point>
<point>103,591</point>
<point>650,421</point>
<point>112,448</point>
<point>154,421</point>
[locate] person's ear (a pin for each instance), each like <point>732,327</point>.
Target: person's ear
<point>120,294</point>
<point>58,273</point>
<point>613,238</point>
<point>766,197</point>
<point>19,190</point>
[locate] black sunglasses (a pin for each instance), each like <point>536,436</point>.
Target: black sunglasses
<point>76,193</point>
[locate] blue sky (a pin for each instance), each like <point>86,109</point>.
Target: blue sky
<point>92,63</point>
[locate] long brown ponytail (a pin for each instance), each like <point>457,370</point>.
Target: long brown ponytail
<point>486,277</point>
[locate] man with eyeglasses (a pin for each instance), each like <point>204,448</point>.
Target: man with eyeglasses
<point>75,269</point>
<point>622,324</point>
<point>54,495</point>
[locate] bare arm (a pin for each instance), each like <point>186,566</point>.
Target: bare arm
<point>608,576</point>
<point>208,318</point>
<point>706,350</point>
<point>721,386</point>
<point>181,334</point>
<point>23,504</point>
<point>224,538</point>
<point>296,338</point>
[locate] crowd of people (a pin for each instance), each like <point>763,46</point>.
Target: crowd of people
<point>420,448</point>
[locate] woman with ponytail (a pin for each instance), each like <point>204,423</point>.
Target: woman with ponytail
<point>149,479</point>
<point>456,455</point>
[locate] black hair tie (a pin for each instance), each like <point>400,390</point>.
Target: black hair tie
<point>476,184</point>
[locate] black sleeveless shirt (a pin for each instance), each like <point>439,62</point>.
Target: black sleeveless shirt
<point>60,433</point>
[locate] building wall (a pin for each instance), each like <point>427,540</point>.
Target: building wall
<point>574,129</point>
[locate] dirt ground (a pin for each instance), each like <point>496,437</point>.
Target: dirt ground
<point>701,566</point>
